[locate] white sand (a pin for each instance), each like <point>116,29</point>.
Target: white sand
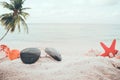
<point>76,64</point>
<point>80,67</point>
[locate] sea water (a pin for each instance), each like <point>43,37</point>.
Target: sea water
<point>66,34</point>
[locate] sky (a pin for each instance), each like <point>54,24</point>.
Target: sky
<point>72,11</point>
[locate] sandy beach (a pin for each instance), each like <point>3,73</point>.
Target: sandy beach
<point>76,64</point>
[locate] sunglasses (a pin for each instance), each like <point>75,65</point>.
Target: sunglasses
<point>31,55</point>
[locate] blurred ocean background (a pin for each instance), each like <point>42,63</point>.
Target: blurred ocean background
<point>86,35</point>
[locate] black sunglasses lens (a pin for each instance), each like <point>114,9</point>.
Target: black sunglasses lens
<point>30,55</point>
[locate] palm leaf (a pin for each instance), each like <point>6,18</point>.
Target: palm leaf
<point>24,24</point>
<point>8,6</point>
<point>25,8</point>
<point>17,22</point>
<point>6,20</point>
<point>24,14</point>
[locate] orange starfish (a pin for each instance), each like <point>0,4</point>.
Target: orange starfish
<point>109,50</point>
<point>11,54</point>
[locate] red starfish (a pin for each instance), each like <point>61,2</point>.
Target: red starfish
<point>109,50</point>
<point>11,54</point>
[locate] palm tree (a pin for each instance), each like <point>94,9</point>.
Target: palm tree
<point>14,19</point>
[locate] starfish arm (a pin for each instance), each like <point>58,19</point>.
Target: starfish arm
<point>104,46</point>
<point>112,47</point>
<point>106,49</point>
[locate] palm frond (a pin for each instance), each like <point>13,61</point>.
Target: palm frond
<point>24,14</point>
<point>25,8</point>
<point>17,22</point>
<point>19,27</point>
<point>6,19</point>
<point>24,24</point>
<point>7,5</point>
